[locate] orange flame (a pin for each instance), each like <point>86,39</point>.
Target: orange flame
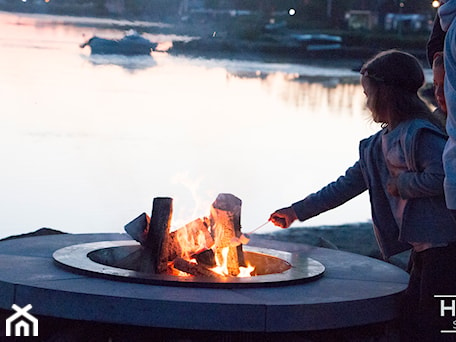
<point>193,238</point>
<point>222,266</point>
<point>245,272</point>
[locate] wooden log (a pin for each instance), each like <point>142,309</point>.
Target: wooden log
<point>194,269</point>
<point>225,218</point>
<point>138,228</point>
<point>205,258</point>
<point>158,234</point>
<point>191,238</point>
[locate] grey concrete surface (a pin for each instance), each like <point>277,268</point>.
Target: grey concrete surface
<point>354,290</point>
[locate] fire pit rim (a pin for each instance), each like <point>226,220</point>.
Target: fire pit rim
<point>75,258</point>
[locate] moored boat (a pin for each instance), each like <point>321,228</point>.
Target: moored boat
<point>318,42</point>
<point>133,44</point>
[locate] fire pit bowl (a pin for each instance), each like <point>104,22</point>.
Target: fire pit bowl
<point>272,267</point>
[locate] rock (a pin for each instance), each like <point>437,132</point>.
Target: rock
<point>39,232</point>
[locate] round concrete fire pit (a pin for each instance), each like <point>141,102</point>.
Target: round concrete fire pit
<point>272,267</point>
<point>353,291</point>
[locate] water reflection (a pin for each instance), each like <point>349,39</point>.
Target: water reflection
<point>318,94</point>
<point>129,63</point>
<point>90,145</point>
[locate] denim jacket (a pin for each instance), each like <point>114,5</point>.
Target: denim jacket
<point>425,217</point>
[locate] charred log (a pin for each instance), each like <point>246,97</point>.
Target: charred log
<point>225,225</point>
<point>193,269</point>
<point>205,258</point>
<point>138,228</point>
<point>157,240</point>
<point>191,238</point>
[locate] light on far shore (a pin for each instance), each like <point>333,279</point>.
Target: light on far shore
<point>291,11</point>
<point>435,3</point>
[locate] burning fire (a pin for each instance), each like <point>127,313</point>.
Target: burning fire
<point>246,272</point>
<point>222,266</point>
<point>203,247</point>
<point>206,247</point>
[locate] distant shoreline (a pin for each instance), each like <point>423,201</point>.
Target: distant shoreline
<point>346,57</point>
<point>268,48</point>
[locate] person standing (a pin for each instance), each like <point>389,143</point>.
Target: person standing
<point>435,41</point>
<point>438,75</point>
<point>401,167</point>
<point>447,14</point>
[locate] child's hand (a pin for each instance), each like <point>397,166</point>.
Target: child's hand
<point>284,217</point>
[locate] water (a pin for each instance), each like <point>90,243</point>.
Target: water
<point>87,143</point>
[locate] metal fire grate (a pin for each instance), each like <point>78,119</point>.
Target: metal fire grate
<point>273,267</point>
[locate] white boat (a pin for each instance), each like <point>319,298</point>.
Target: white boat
<point>133,44</point>
<point>318,42</point>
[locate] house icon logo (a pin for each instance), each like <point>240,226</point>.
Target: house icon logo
<point>21,322</point>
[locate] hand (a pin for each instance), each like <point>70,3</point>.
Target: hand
<point>284,217</point>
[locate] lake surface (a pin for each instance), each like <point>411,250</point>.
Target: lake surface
<point>87,143</point>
